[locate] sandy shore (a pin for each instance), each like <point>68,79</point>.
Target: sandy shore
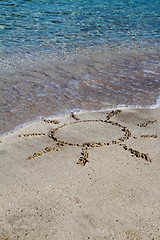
<point>92,175</point>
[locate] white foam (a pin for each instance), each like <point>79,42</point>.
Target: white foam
<point>158,102</point>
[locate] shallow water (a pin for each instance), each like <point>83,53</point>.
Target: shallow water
<point>57,56</point>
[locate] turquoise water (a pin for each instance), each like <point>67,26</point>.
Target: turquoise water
<point>60,55</point>
<point>69,23</point>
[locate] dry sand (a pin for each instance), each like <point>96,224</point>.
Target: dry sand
<point>92,175</point>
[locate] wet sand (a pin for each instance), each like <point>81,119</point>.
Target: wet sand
<point>92,175</point>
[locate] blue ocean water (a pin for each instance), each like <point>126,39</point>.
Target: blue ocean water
<point>60,55</point>
<point>69,23</point>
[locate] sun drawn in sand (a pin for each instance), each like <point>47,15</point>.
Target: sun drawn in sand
<point>56,135</point>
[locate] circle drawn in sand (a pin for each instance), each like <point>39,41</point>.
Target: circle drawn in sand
<point>82,137</point>
<point>87,131</point>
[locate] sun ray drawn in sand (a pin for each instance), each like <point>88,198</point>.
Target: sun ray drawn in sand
<point>86,146</point>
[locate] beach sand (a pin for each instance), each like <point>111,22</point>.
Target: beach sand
<point>93,175</point>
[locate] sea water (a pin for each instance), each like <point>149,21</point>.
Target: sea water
<point>60,55</point>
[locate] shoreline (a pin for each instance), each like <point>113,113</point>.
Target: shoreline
<point>61,115</point>
<point>90,175</point>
